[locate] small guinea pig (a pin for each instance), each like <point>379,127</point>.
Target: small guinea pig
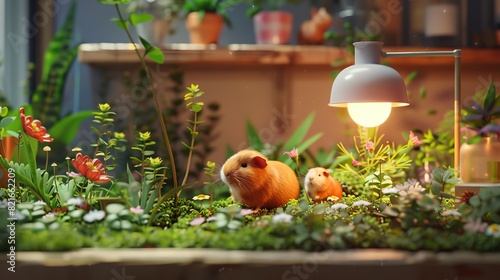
<point>320,185</point>
<point>258,182</point>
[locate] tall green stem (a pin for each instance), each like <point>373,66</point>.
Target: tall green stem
<point>191,148</point>
<point>156,101</point>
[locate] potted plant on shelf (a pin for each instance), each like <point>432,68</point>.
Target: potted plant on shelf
<point>480,154</point>
<point>205,19</point>
<point>164,14</point>
<point>271,25</point>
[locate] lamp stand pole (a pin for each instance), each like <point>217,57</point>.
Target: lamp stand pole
<point>457,99</point>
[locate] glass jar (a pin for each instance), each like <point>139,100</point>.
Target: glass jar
<point>480,162</point>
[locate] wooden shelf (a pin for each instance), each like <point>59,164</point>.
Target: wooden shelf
<point>241,54</point>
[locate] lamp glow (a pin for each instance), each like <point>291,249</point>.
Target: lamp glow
<point>369,114</point>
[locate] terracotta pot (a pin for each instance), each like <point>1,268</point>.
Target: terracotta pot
<point>206,30</point>
<point>7,148</point>
<point>480,162</point>
<point>273,27</point>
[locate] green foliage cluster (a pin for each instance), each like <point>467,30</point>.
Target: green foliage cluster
<point>482,118</point>
<point>412,222</point>
<point>275,151</point>
<point>484,206</point>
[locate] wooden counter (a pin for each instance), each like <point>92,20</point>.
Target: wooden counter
<point>171,263</point>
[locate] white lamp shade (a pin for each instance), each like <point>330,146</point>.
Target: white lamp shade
<point>368,89</point>
<point>368,83</point>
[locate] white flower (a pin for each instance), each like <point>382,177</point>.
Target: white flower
<point>361,203</point>
<point>339,206</point>
<point>48,216</point>
<point>75,201</point>
<point>94,215</point>
<point>390,190</point>
<point>493,230</point>
<point>282,218</point>
<point>40,203</point>
<point>454,213</point>
<point>410,187</point>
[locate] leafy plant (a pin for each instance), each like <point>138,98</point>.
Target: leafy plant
<point>440,179</point>
<point>210,6</point>
<point>47,100</point>
<point>484,206</point>
<point>481,119</point>
<point>371,155</point>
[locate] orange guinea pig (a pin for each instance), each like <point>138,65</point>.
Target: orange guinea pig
<point>258,182</point>
<point>320,185</point>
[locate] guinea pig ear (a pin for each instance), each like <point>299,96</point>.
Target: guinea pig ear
<point>326,174</point>
<point>259,162</point>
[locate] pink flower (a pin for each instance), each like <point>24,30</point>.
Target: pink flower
<point>414,139</point>
<point>355,163</point>
<point>369,145</point>
<point>245,212</point>
<point>197,221</point>
<point>475,226</point>
<point>294,153</point>
<point>137,210</point>
<point>211,218</point>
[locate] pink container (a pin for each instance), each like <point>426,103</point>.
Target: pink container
<point>273,27</point>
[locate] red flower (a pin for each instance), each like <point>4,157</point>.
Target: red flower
<point>34,128</point>
<point>91,169</point>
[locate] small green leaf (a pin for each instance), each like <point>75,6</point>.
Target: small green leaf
<point>422,93</point>
<point>196,108</point>
<point>146,44</point>
<point>411,77</point>
<point>436,188</point>
<point>156,55</point>
<point>474,201</point>
<point>3,111</point>
<point>136,18</point>
<point>120,23</point>
<point>489,100</point>
<point>474,140</point>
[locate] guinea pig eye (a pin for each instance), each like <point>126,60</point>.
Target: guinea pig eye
<point>243,165</point>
